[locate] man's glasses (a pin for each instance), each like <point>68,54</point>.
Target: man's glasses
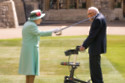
<point>89,13</point>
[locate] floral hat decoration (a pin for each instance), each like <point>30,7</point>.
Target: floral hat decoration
<point>36,14</point>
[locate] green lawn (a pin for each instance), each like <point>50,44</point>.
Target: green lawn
<point>52,53</point>
<point>116,52</point>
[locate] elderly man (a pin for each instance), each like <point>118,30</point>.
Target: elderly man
<point>96,41</point>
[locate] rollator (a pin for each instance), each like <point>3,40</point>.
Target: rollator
<point>74,65</point>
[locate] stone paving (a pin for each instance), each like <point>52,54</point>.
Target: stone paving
<point>115,28</point>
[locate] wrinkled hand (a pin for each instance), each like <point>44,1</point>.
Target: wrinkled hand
<point>82,48</point>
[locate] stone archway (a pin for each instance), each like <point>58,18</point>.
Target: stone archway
<point>124,8</point>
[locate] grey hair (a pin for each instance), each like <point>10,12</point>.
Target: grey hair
<point>94,8</point>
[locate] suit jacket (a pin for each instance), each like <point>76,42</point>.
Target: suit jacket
<point>96,40</point>
<point>29,58</point>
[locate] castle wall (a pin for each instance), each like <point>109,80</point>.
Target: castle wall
<point>8,17</point>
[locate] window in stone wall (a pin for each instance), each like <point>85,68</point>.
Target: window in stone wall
<point>53,4</point>
<point>75,4</point>
<point>62,4</point>
<point>82,3</point>
<point>40,4</point>
<point>124,8</point>
<point>117,3</point>
<point>67,4</point>
<point>57,4</point>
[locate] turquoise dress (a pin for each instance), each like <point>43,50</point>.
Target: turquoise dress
<point>29,57</point>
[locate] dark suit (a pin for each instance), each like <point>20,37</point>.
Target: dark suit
<point>96,41</point>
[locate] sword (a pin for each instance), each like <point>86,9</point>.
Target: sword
<point>74,24</point>
<point>60,31</point>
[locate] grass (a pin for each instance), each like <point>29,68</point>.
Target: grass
<point>116,52</point>
<point>52,53</point>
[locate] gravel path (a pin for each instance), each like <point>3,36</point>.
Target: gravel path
<point>75,30</point>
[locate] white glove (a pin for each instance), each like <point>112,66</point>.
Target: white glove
<point>55,30</point>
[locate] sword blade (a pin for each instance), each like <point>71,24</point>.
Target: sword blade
<point>74,24</point>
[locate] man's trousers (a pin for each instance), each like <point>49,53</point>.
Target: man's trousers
<point>95,68</point>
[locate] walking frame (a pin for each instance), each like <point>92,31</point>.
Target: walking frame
<point>74,65</point>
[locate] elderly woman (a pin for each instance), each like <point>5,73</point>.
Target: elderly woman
<point>29,59</point>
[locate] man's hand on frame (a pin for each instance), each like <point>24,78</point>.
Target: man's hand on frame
<point>82,48</point>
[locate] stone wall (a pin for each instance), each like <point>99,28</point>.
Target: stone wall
<point>117,14</point>
<point>66,15</point>
<point>24,8</point>
<point>3,0</point>
<point>8,18</point>
<point>29,6</point>
<point>20,11</point>
<point>106,7</point>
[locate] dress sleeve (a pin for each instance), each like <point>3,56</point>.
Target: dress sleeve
<point>35,31</point>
